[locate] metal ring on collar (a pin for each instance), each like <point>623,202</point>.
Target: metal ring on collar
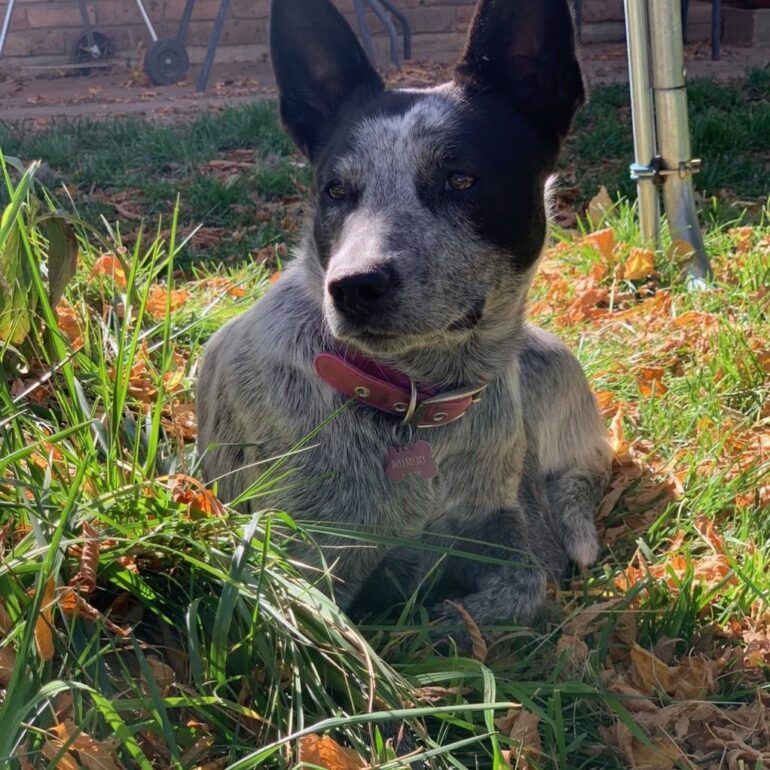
<point>412,405</point>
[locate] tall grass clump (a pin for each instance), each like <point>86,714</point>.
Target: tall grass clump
<point>141,621</point>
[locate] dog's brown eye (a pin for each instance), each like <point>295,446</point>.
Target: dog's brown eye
<point>460,182</point>
<point>336,191</point>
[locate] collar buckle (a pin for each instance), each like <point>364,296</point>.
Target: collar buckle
<point>425,416</point>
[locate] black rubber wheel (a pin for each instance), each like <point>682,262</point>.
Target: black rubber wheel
<point>82,53</point>
<point>166,61</point>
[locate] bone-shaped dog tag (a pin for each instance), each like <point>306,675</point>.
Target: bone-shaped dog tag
<point>414,460</point>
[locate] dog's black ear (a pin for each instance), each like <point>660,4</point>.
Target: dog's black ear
<point>319,67</point>
<point>526,49</point>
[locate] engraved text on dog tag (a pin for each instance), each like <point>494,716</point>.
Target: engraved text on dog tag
<point>414,460</point>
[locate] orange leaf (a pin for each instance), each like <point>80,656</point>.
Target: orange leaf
<point>93,754</point>
<point>640,264</point>
<point>69,324</point>
<point>85,578</point>
<point>681,250</point>
<point>7,662</point>
<point>275,276</point>
<point>477,639</point>
<point>650,673</point>
<point>109,265</point>
<point>72,604</point>
<point>44,623</point>
<point>323,751</point>
<point>200,501</point>
<point>743,238</point>
<point>605,400</point>
<point>156,300</point>
<point>604,243</point>
<point>617,434</point>
<point>598,207</point>
<point>6,624</point>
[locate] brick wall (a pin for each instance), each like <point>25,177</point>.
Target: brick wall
<point>47,30</point>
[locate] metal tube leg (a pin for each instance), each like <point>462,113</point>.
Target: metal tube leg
<point>673,127</point>
<point>405,28</point>
<point>146,20</point>
<point>184,22</point>
<point>216,33</point>
<point>716,29</point>
<point>382,15</point>
<point>6,24</point>
<point>643,118</point>
<point>363,29</point>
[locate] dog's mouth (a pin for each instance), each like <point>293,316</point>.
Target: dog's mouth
<point>375,339</point>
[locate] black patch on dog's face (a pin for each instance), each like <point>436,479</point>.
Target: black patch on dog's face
<point>387,163</point>
<point>489,140</point>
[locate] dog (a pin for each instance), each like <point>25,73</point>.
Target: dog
<point>465,450</point>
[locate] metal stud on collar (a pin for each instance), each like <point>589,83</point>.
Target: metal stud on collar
<point>362,392</point>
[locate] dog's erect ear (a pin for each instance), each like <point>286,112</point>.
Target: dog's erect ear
<point>319,66</point>
<point>526,49</point>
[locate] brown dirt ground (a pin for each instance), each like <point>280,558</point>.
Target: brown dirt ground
<point>35,97</point>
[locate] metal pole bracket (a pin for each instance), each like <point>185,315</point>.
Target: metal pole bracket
<point>657,173</point>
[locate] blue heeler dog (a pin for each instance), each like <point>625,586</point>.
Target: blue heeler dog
<point>468,428</point>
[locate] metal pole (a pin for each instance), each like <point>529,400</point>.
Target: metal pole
<point>382,15</point>
<point>6,24</point>
<point>216,33</point>
<point>146,19</point>
<point>363,28</point>
<point>643,117</point>
<point>673,128</point>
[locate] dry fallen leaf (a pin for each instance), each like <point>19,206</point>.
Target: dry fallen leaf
<point>640,264</point>
<point>477,639</point>
<point>72,604</point>
<point>69,324</point>
<point>521,726</point>
<point>650,674</point>
<point>7,662</point>
<point>44,623</point>
<point>660,754</point>
<point>162,673</point>
<point>85,579</point>
<point>598,207</point>
<point>109,265</point>
<point>92,754</point>
<point>324,751</point>
<point>6,624</point>
<point>604,243</point>
<point>157,297</point>
<point>200,501</point>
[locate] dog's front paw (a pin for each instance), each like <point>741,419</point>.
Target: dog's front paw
<point>449,630</point>
<point>581,542</point>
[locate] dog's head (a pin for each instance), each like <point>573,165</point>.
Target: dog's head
<point>430,211</point>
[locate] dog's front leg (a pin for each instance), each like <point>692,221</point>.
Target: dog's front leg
<point>493,567</point>
<point>574,495</point>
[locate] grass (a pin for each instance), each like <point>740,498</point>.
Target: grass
<point>238,175</point>
<point>141,616</point>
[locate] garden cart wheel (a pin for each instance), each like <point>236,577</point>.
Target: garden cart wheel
<point>85,53</point>
<point>166,61</point>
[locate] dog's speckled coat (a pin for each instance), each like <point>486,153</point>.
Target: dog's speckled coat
<point>521,475</point>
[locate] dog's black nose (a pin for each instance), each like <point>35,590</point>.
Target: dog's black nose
<point>360,294</point>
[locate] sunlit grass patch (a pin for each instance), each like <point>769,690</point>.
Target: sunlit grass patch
<point>173,632</point>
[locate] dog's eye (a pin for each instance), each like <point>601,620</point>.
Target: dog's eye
<point>336,191</point>
<point>459,182</point>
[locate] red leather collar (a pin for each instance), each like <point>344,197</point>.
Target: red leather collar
<point>392,392</point>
